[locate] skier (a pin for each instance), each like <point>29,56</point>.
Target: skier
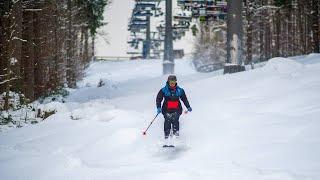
<point>171,107</point>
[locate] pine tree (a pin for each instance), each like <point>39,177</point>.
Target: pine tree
<point>46,44</point>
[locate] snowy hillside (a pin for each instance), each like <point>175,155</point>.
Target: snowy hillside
<point>261,124</point>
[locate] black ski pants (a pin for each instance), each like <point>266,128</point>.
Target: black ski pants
<point>171,119</point>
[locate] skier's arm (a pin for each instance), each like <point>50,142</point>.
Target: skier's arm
<point>185,99</point>
<point>159,99</point>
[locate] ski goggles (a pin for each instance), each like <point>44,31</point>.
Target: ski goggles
<point>172,82</point>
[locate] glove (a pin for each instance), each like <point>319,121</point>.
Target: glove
<point>189,109</point>
<point>159,110</point>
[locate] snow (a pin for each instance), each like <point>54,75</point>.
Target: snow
<point>13,61</point>
<point>22,114</point>
<point>261,124</point>
<point>283,65</point>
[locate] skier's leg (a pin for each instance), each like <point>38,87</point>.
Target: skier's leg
<point>167,126</point>
<point>175,124</point>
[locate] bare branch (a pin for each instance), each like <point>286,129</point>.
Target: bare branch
<point>8,80</point>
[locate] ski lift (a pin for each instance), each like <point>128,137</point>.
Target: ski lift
<point>210,2</point>
<point>185,3</point>
<point>181,27</point>
<point>132,42</point>
<point>195,11</point>
<point>160,28</point>
<point>139,21</point>
<point>202,11</point>
<point>138,26</point>
<point>182,18</point>
<point>148,1</point>
<point>200,2</point>
<point>141,13</point>
<point>216,12</point>
<point>145,6</point>
<point>222,3</point>
<point>213,10</point>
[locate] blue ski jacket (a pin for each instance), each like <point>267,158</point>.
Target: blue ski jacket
<point>171,98</point>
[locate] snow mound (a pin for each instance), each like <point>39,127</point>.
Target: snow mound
<point>54,106</point>
<point>313,58</point>
<point>89,111</point>
<point>282,66</point>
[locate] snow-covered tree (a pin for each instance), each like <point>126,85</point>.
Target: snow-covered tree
<point>281,27</point>
<point>210,46</point>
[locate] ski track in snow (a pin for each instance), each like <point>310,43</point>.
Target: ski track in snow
<point>261,124</point>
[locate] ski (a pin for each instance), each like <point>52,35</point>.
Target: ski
<point>168,146</point>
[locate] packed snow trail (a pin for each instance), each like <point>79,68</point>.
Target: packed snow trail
<point>261,124</point>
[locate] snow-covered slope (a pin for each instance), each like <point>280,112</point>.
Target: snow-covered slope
<point>261,124</point>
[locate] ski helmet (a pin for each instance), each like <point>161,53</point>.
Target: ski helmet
<point>172,78</point>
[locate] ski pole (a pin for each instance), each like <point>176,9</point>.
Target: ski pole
<point>144,133</point>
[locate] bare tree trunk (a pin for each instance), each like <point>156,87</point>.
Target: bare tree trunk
<point>249,16</point>
<point>6,65</point>
<point>235,32</point>
<point>261,38</point>
<point>40,51</point>
<point>59,39</point>
<point>71,80</point>
<point>81,51</point>
<point>315,25</point>
<point>93,46</point>
<point>295,31</point>
<point>289,31</point>
<point>86,47</point>
<point>267,32</point>
<point>301,30</point>
<point>28,54</point>
<point>277,32</point>
<point>16,19</point>
<point>308,27</point>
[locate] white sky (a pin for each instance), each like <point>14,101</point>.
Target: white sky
<point>117,15</point>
